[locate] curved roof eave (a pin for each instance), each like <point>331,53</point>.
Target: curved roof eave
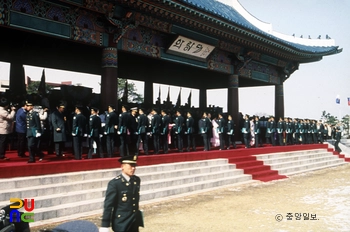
<point>229,14</point>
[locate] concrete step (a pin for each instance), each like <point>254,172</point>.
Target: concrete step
<point>278,166</point>
<point>15,183</point>
<point>68,194</point>
<point>291,158</point>
<point>310,167</point>
<point>289,154</point>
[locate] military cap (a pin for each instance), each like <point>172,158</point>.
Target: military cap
<point>111,105</point>
<point>29,103</point>
<point>131,159</point>
<point>134,108</point>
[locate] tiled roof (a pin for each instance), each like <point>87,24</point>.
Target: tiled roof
<point>228,13</point>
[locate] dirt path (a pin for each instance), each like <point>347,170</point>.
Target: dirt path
<point>324,194</point>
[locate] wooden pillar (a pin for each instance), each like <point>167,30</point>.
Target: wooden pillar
<point>279,101</point>
<point>148,93</point>
<point>109,78</point>
<point>233,102</point>
<point>203,98</point>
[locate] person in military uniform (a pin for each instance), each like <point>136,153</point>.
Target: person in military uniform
<point>142,125</point>
<point>164,131</point>
<point>272,131</point>
<point>179,122</point>
<point>79,128</point>
<point>110,129</point>
<point>155,129</point>
<point>246,131</point>
<point>320,130</point>
<point>122,131</point>
<point>204,127</point>
<point>33,131</point>
<point>258,139</point>
<point>121,205</point>
<point>190,132</point>
<point>221,130</point>
<point>95,133</point>
<point>59,130</point>
<point>280,129</point>
<point>230,132</point>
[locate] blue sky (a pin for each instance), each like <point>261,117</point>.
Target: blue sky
<point>310,90</point>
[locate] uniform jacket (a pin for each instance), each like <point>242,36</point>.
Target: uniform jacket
<point>111,121</point>
<point>33,124</point>
<point>121,205</point>
<point>95,128</point>
<point>79,127</point>
<point>204,126</point>
<point>165,124</point>
<point>246,127</point>
<point>142,124</point>
<point>280,127</point>
<point>57,121</point>
<point>230,127</point>
<point>256,127</point>
<point>190,125</point>
<point>123,122</point>
<point>222,125</point>
<point>155,124</point>
<point>179,121</point>
<point>6,120</point>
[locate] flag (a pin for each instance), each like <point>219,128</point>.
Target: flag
<point>125,93</point>
<point>348,101</point>
<point>42,85</point>
<point>158,99</point>
<point>168,97</point>
<point>337,100</point>
<point>178,102</point>
<point>189,99</point>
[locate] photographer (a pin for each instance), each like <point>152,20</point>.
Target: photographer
<point>6,119</point>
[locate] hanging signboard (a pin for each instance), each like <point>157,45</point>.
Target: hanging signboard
<point>190,48</point>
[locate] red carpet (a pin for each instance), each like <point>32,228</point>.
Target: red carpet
<point>243,158</point>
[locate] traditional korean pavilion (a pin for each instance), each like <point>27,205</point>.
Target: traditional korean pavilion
<point>186,43</point>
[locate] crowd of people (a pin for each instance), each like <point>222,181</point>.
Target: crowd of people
<point>137,131</point>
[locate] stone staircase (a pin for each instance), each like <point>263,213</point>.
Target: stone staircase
<point>295,162</point>
<point>67,196</point>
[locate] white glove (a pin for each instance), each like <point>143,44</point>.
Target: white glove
<point>101,136</point>
<point>89,136</point>
<point>85,135</point>
<point>73,134</point>
<point>104,229</point>
<point>105,133</point>
<point>38,135</point>
<point>118,132</point>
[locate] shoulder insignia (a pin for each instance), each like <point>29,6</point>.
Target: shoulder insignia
<point>118,177</point>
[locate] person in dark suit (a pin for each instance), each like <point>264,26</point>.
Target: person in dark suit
<point>164,131</point>
<point>33,131</point>
<point>221,130</point>
<point>142,125</point>
<point>121,204</point>
<point>179,123</point>
<point>204,126</point>
<point>79,130</point>
<point>230,132</point>
<point>338,132</point>
<point>190,132</point>
<point>122,131</point>
<point>59,130</point>
<point>155,126</point>
<point>111,127</point>
<point>246,131</point>
<point>95,133</point>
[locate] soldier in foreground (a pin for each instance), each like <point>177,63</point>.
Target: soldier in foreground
<point>121,205</point>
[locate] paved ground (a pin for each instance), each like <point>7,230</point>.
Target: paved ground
<point>258,207</point>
